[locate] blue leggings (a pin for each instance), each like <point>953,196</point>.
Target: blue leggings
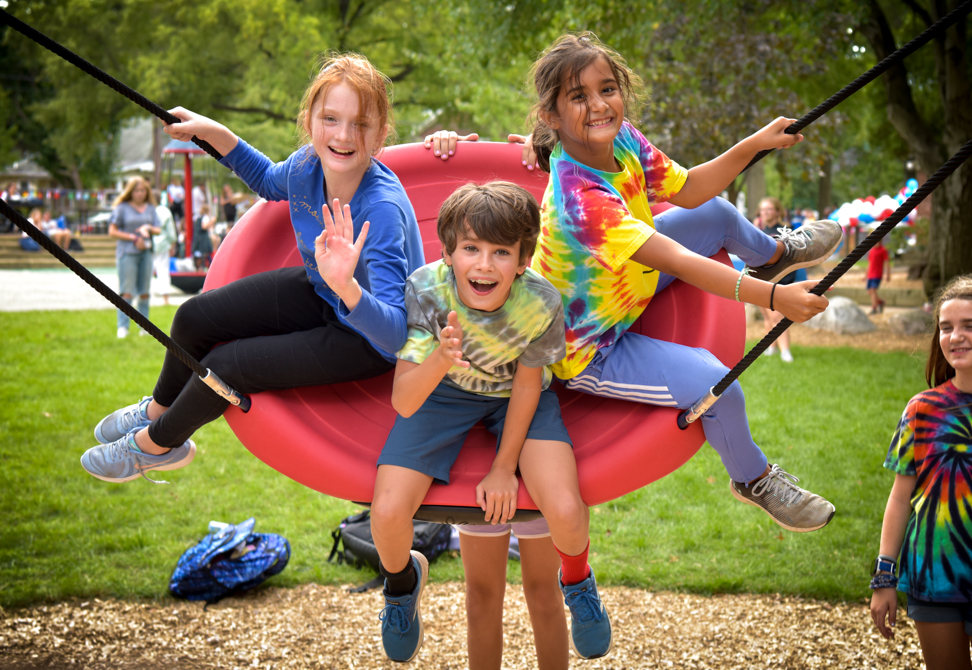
<point>652,371</point>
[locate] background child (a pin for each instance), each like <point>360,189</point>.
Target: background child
<point>927,530</point>
<point>338,317</point>
<point>600,247</point>
<point>771,221</point>
<point>876,258</point>
<point>482,328</point>
<point>484,551</point>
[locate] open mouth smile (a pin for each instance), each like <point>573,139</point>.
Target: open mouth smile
<point>482,286</point>
<point>341,152</point>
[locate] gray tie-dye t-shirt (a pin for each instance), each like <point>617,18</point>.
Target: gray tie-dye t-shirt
<point>528,328</point>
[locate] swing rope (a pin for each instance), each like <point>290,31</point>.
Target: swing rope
<point>700,407</point>
<point>205,374</point>
<point>100,75</point>
<point>872,74</point>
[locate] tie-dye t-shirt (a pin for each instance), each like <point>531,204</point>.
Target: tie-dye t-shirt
<point>934,442</point>
<point>528,328</point>
<point>592,222</point>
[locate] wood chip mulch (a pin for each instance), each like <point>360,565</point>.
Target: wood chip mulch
<point>324,627</point>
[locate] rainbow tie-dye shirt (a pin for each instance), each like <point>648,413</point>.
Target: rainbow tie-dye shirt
<point>934,442</point>
<point>528,329</point>
<point>592,222</point>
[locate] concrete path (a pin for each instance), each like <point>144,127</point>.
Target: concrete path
<point>29,290</point>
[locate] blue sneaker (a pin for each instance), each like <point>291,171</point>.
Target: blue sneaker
<point>401,620</point>
<point>122,421</point>
<point>590,626</point>
<point>121,461</point>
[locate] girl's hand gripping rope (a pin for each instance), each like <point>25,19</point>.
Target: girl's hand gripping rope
<point>221,138</point>
<point>337,253</point>
<point>774,135</point>
<point>795,302</point>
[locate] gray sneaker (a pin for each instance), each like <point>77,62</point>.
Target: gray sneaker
<point>790,506</point>
<point>810,244</point>
<point>122,421</point>
<point>120,461</point>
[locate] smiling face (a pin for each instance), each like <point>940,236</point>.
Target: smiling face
<point>343,139</point>
<point>484,271</point>
<point>590,111</point>
<point>955,325</point>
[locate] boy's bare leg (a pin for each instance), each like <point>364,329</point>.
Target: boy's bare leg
<point>484,560</point>
<point>398,494</point>
<point>539,564</point>
<point>549,472</point>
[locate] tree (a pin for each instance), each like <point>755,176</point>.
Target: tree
<point>929,103</point>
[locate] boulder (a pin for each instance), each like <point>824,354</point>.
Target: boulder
<point>842,316</point>
<point>912,322</point>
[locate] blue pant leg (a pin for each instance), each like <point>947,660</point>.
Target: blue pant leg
<point>711,226</point>
<point>144,282</point>
<point>128,277</point>
<point>655,372</point>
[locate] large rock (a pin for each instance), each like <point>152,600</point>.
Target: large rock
<point>912,322</point>
<point>842,316</point>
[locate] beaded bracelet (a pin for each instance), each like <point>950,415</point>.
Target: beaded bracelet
<point>884,581</point>
<point>742,273</point>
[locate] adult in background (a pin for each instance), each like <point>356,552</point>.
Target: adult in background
<point>162,248</point>
<point>227,201</point>
<point>133,223</point>
<point>770,220</point>
<point>177,196</point>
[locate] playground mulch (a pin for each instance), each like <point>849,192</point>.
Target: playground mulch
<point>325,627</point>
<point>881,340</point>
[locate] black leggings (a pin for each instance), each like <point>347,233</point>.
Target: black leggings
<point>279,334</point>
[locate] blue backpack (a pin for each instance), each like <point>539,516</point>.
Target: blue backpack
<point>229,560</point>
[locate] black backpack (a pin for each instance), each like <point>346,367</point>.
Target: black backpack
<point>354,533</point>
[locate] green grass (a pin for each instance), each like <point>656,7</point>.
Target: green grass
<point>828,418</point>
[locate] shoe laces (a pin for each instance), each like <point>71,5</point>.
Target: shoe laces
<point>131,418</point>
<point>794,239</point>
<point>122,449</point>
<point>395,615</point>
<point>781,484</point>
<point>585,605</point>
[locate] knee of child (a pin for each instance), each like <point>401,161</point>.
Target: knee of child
<point>187,320</point>
<point>388,513</point>
<point>483,593</point>
<point>568,513</point>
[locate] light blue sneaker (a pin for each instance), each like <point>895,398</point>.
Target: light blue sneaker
<point>401,620</point>
<point>590,626</point>
<point>121,461</point>
<point>122,421</point>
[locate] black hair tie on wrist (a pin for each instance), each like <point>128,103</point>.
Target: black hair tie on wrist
<point>772,291</point>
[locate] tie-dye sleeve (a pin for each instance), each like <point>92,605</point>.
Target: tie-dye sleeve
<point>421,333</point>
<point>603,226</point>
<point>901,453</point>
<point>663,176</point>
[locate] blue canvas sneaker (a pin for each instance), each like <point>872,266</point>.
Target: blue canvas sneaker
<point>121,461</point>
<point>590,626</point>
<point>401,620</point>
<point>122,421</point>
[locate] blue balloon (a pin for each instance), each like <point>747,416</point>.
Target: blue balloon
<point>912,184</point>
<point>865,218</point>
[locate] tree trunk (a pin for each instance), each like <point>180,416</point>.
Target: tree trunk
<point>824,187</point>
<point>755,189</point>
<point>950,240</point>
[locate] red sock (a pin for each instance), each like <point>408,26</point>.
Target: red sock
<point>574,569</point>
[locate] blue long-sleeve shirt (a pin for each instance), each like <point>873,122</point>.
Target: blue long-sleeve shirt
<point>392,251</point>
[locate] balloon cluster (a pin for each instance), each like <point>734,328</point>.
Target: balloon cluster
<point>871,211</point>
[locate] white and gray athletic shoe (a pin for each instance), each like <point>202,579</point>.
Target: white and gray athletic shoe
<point>810,244</point>
<point>121,461</point>
<point>787,504</point>
<point>122,421</point>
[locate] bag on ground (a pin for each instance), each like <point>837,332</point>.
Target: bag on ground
<point>229,560</point>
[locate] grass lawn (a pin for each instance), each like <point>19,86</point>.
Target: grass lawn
<point>827,418</point>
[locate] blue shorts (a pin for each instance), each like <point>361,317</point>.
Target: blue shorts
<point>429,441</point>
<point>932,612</point>
<point>524,530</point>
<point>874,283</point>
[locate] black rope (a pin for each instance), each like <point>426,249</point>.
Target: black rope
<point>871,75</point>
<point>100,75</point>
<point>878,233</point>
<point>100,287</point>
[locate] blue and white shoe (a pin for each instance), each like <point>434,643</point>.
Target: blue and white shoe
<point>121,461</point>
<point>590,626</point>
<point>401,620</point>
<point>122,421</point>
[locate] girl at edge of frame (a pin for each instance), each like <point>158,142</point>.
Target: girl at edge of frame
<point>133,223</point>
<point>340,317</point>
<point>926,536</point>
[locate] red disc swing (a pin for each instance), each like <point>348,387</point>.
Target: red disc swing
<point>329,437</point>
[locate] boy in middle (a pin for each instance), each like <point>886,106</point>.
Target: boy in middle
<point>482,328</point>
